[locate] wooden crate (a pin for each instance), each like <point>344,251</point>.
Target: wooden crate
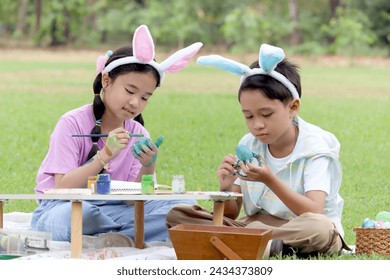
<point>207,242</point>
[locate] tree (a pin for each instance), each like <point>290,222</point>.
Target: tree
<point>378,11</point>
<point>333,5</point>
<point>296,37</point>
<point>351,30</point>
<point>38,13</point>
<point>314,27</point>
<point>21,24</point>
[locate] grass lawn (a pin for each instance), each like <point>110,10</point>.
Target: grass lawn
<point>197,112</point>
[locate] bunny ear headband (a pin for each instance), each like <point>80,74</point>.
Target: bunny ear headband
<point>269,57</point>
<point>143,53</point>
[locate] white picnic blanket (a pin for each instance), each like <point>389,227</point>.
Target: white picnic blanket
<point>62,249</point>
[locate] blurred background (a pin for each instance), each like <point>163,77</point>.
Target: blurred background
<point>321,27</point>
<point>47,66</point>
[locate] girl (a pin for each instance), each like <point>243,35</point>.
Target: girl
<point>122,88</point>
<point>293,187</point>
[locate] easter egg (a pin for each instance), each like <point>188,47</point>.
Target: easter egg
<point>379,224</point>
<point>383,216</point>
<point>368,223</point>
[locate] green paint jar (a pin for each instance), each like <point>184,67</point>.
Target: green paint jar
<point>147,184</point>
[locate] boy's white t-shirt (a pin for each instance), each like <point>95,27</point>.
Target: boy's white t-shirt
<point>317,174</point>
<point>313,165</point>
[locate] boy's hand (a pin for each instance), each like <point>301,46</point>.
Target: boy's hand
<point>227,173</point>
<point>256,173</point>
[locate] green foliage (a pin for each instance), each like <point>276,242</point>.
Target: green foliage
<point>259,25</point>
<point>8,15</point>
<point>308,48</point>
<point>116,19</point>
<point>62,22</point>
<point>176,20</point>
<point>239,26</point>
<point>378,11</point>
<point>351,32</point>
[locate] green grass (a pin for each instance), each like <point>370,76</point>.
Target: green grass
<point>198,114</point>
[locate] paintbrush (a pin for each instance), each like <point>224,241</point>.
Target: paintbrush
<point>105,135</point>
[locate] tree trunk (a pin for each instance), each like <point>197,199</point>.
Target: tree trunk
<point>38,13</point>
<point>22,12</point>
<point>333,4</point>
<point>296,37</point>
<point>141,2</point>
<point>67,31</point>
<point>53,34</point>
<point>90,19</point>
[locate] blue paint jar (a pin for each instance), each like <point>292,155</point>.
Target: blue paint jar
<point>103,184</point>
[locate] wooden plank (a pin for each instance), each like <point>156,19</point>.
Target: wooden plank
<point>224,249</point>
<point>76,229</point>
<point>139,216</point>
<point>188,195</point>
<point>218,213</point>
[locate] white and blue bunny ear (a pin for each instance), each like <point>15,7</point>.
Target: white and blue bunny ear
<point>224,64</point>
<point>269,57</point>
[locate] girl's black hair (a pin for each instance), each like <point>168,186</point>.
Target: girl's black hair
<point>98,105</point>
<point>271,87</point>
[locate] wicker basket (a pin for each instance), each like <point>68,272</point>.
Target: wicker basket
<point>372,240</point>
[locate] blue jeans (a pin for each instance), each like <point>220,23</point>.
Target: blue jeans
<point>103,216</point>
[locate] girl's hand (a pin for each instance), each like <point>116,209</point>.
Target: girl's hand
<point>116,141</point>
<point>145,151</point>
<point>256,173</point>
<point>227,173</point>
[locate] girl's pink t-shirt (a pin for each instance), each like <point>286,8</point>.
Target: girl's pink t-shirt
<point>67,153</point>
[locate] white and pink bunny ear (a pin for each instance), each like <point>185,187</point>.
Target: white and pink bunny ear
<point>180,59</point>
<point>101,61</point>
<point>143,52</point>
<point>143,46</point>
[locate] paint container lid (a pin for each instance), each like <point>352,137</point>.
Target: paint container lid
<point>104,177</point>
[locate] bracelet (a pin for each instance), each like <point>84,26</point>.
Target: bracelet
<point>105,165</point>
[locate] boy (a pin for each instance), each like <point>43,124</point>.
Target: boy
<point>294,187</point>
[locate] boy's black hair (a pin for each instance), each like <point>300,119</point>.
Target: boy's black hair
<point>98,105</point>
<point>271,87</point>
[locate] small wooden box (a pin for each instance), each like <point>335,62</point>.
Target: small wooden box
<point>207,242</point>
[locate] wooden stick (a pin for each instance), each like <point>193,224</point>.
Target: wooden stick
<point>76,229</point>
<point>224,249</point>
<point>139,217</point>
<point>218,213</point>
